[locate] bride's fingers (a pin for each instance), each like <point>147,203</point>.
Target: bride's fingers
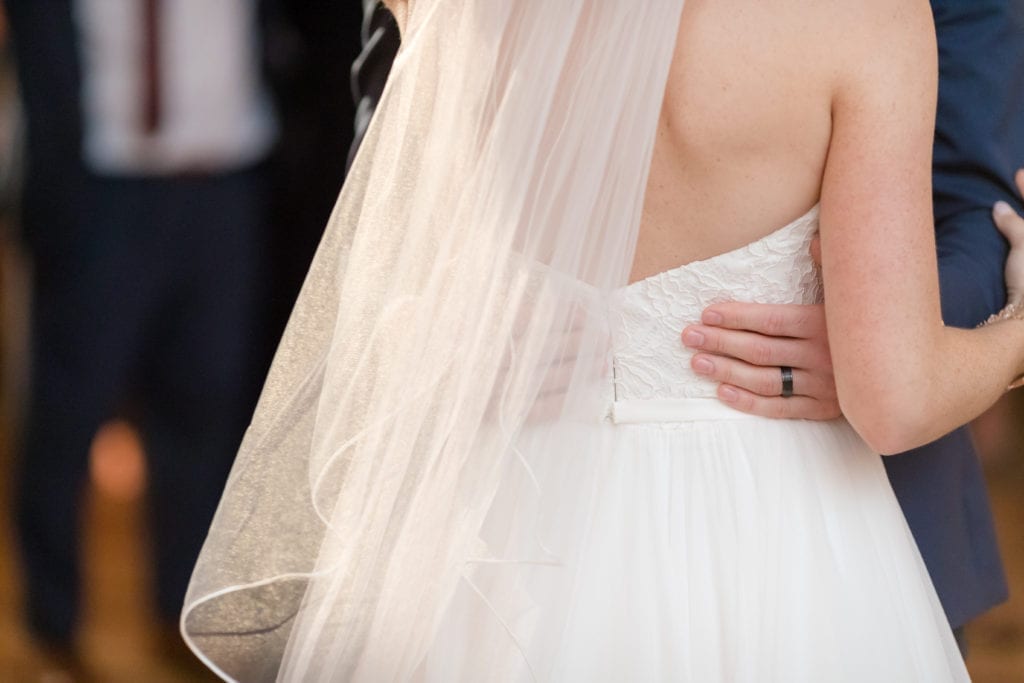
<point>1010,224</point>
<point>794,407</point>
<point>1020,181</point>
<point>765,381</point>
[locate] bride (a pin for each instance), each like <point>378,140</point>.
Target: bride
<point>480,454</point>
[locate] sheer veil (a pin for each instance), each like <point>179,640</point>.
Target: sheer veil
<point>458,298</point>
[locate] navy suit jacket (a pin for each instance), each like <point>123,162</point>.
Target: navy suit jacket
<point>979,143</point>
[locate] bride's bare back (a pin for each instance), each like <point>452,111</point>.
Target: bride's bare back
<point>773,105</point>
<point>744,129</point>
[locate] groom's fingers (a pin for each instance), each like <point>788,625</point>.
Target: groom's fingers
<point>794,407</point>
<point>755,348</point>
<point>775,320</point>
<point>758,390</point>
<point>764,381</point>
<point>1020,181</point>
<point>816,250</point>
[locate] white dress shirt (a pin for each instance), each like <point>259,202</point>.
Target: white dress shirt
<point>214,112</point>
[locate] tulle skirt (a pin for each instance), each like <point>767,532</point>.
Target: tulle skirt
<point>719,548</point>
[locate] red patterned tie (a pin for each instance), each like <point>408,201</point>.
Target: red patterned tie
<point>151,104</point>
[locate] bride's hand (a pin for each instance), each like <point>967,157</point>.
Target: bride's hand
<point>1012,227</point>
<point>743,346</point>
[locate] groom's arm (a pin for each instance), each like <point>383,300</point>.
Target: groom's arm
<point>979,141</point>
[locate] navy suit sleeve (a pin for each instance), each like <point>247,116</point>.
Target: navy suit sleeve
<point>979,143</point>
<point>381,40</point>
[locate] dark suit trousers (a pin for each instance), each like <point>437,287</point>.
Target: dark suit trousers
<point>155,310</point>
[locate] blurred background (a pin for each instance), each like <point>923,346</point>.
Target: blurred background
<point>158,235</point>
<point>166,170</point>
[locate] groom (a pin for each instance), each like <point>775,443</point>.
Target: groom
<point>979,138</point>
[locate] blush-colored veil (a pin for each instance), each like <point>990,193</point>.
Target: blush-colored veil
<point>458,298</point>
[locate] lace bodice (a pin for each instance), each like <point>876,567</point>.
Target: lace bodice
<point>648,316</point>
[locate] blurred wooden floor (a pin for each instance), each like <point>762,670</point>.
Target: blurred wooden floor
<point>120,640</point>
<point>996,639</point>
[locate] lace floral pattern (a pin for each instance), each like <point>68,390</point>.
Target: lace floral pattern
<point>647,317</point>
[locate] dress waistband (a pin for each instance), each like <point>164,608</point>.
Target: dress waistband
<point>636,411</point>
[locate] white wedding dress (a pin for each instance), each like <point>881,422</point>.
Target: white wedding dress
<point>406,505</point>
<point>681,540</point>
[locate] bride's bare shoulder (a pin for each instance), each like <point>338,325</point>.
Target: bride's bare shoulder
<point>855,43</point>
<point>814,34</point>
<point>400,8</point>
<point>852,30</point>
<point>870,31</point>
<point>888,45</point>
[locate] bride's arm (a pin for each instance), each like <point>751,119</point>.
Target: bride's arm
<point>903,378</point>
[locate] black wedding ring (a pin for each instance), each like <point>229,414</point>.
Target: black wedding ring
<point>787,381</point>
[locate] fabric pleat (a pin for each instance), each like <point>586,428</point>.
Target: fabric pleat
<point>712,550</point>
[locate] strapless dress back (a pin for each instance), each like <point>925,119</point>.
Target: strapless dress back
<point>648,316</point>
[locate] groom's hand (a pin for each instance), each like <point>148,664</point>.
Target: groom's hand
<point>743,346</point>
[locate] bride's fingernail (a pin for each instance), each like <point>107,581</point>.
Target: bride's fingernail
<point>693,338</point>
<point>729,394</point>
<point>703,366</point>
<point>1001,208</point>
